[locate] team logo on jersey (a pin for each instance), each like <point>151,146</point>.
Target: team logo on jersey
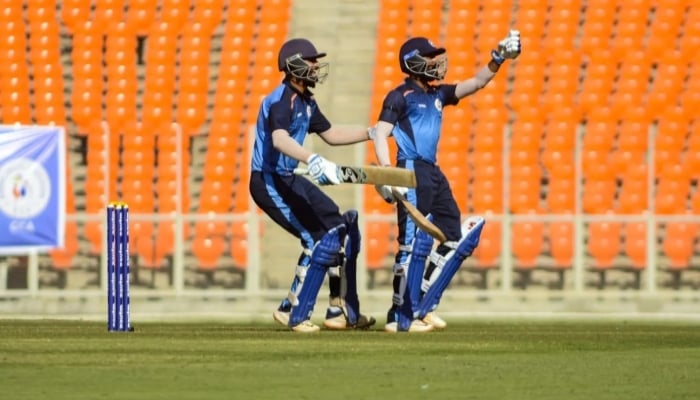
<point>438,104</point>
<point>308,111</point>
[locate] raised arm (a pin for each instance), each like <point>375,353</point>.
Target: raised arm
<point>508,48</point>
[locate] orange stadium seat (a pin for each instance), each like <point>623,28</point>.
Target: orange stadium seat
<point>494,16</point>
<point>238,245</point>
<point>208,12</point>
<point>678,242</point>
<point>560,136</point>
<point>633,193</point>
<point>599,196</point>
<point>527,242</point>
<point>208,251</point>
<point>561,243</point>
<point>527,96</point>
<point>562,26</point>
<point>75,12</point>
<point>678,247</point>
<point>108,13</point>
<point>635,234</point>
<point>604,245</point>
<point>140,15</point>
<point>381,245</point>
<point>632,82</point>
<point>599,19</point>
<point>531,21</point>
<point>527,237</point>
<point>672,194</point>
<point>668,81</point>
<point>689,40</point>
<point>631,25</point>
<point>561,196</point>
<point>525,195</point>
<point>175,12</point>
<point>487,195</point>
<point>63,258</point>
<point>488,252</point>
<point>425,14</point>
<point>139,230</point>
<point>664,28</point>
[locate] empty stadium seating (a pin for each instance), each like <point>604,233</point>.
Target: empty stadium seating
<point>621,82</point>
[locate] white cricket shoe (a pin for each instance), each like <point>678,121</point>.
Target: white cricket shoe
<point>433,319</point>
<point>306,327</point>
<point>417,326</point>
<point>282,317</point>
<point>340,322</point>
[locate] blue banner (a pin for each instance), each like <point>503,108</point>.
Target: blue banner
<point>32,188</point>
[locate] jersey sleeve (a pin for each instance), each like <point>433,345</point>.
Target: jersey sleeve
<point>447,93</point>
<point>280,116</point>
<point>392,108</point>
<point>319,123</point>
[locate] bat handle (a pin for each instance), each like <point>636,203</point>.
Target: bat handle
<point>301,171</point>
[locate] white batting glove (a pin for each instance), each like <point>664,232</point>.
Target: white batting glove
<point>322,171</point>
<point>386,191</point>
<point>510,47</point>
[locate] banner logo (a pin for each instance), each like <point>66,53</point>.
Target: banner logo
<point>25,188</point>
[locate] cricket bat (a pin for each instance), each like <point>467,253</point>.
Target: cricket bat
<point>419,219</point>
<point>374,175</point>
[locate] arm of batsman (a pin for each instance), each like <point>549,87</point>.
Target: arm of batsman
<point>387,192</point>
<point>322,171</point>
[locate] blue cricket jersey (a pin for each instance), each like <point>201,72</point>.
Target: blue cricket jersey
<point>288,109</point>
<point>417,118</point>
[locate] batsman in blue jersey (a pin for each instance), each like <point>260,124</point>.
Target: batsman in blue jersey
<point>330,240</point>
<point>412,114</point>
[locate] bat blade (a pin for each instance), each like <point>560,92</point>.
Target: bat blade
<point>378,175</point>
<point>419,219</point>
<point>373,175</point>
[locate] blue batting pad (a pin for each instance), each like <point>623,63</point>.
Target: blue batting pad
<point>323,256</point>
<point>352,249</point>
<point>422,245</point>
<point>464,249</point>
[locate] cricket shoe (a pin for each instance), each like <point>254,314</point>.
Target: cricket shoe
<point>282,317</point>
<point>417,326</point>
<point>306,327</point>
<point>433,319</point>
<point>337,320</point>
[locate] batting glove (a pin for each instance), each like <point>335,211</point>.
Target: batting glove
<point>508,48</point>
<point>322,171</point>
<point>386,191</point>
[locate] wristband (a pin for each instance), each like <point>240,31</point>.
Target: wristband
<point>497,58</point>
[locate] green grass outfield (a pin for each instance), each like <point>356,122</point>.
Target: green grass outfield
<point>51,359</point>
